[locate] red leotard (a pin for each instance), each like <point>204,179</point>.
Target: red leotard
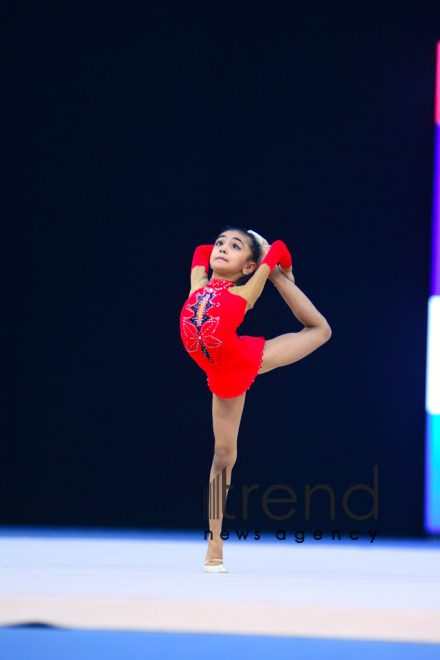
<point>211,315</point>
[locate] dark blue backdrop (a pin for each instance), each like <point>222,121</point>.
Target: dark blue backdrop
<point>133,132</point>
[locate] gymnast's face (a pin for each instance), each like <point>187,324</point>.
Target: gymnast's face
<point>231,256</point>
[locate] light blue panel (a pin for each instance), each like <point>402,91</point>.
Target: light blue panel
<point>432,483</point>
<point>55,644</point>
<point>432,493</point>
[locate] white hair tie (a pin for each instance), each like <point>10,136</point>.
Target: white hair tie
<point>257,236</point>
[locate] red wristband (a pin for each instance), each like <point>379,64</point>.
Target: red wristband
<point>202,256</point>
<point>278,253</point>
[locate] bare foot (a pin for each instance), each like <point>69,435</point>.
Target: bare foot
<point>287,272</point>
<point>276,275</point>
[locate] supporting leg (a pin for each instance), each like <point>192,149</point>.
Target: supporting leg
<point>226,417</point>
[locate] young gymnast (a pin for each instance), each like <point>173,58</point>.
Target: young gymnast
<point>241,262</point>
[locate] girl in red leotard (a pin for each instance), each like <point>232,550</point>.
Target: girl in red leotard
<point>241,262</point>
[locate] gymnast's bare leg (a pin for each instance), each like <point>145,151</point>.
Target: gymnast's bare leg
<point>278,352</point>
<point>292,346</point>
<point>226,417</point>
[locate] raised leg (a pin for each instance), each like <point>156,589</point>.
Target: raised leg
<point>226,417</point>
<point>292,346</point>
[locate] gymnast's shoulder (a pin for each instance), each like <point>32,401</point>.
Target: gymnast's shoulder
<point>243,291</point>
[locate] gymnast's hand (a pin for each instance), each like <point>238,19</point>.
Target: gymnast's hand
<point>264,249</point>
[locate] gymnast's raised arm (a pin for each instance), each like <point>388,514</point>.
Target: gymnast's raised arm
<point>253,288</point>
<point>200,267</point>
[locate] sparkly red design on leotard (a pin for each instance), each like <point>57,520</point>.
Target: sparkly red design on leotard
<point>208,323</point>
<point>199,327</point>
